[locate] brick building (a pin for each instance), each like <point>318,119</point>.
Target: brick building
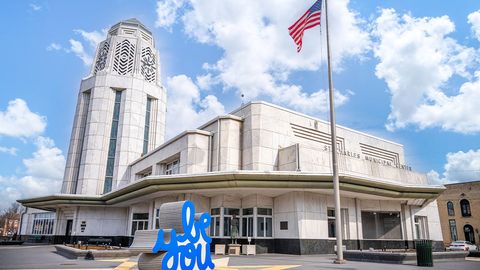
<point>459,209</point>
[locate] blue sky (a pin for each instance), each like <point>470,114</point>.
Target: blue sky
<point>404,70</point>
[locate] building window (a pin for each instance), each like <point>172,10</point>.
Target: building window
<point>107,186</point>
<point>172,167</point>
<point>215,222</point>
<point>231,222</point>
<point>144,173</point>
<point>264,222</point>
<point>283,225</point>
<point>332,223</point>
<point>146,131</point>
<point>381,225</point>
<point>81,137</point>
<point>157,218</point>
<point>43,223</point>
<point>450,209</point>
<point>421,227</point>
<point>453,229</point>
<point>465,207</point>
<point>139,222</point>
<point>247,222</point>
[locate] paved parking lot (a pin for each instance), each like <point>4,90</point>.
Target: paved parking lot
<point>44,257</point>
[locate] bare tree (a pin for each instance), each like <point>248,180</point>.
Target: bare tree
<point>10,213</point>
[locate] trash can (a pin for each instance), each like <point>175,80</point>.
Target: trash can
<point>424,253</point>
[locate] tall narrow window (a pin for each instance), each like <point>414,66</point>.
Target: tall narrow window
<point>107,186</point>
<point>215,222</point>
<point>331,222</point>
<point>421,227</point>
<point>157,218</point>
<point>453,229</point>
<point>146,131</point>
<point>247,222</point>
<point>81,137</point>
<point>465,207</point>
<point>450,209</point>
<point>264,222</point>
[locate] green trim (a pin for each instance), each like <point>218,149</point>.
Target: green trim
<point>239,179</point>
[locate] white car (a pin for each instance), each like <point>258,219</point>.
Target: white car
<point>462,245</point>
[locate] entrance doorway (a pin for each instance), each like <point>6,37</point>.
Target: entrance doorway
<point>469,234</point>
<point>68,231</point>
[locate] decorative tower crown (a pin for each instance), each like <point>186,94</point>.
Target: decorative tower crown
<point>128,50</point>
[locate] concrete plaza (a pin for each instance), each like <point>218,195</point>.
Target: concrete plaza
<point>44,257</point>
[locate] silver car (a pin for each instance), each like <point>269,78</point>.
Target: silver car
<point>462,245</point>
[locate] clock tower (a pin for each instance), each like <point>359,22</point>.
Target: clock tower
<point>120,113</point>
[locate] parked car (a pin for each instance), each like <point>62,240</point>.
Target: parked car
<point>462,245</point>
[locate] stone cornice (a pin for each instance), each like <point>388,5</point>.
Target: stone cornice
<point>239,179</point>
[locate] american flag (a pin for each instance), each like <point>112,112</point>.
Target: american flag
<point>310,19</point>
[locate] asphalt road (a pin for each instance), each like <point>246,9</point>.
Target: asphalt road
<point>44,257</point>
<point>325,262</point>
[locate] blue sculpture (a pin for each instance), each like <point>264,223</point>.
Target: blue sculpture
<point>190,250</point>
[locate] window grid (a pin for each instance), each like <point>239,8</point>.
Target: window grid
<point>43,223</point>
<point>172,167</point>
<point>264,222</point>
<point>215,222</point>
<point>139,222</point>
<point>247,222</point>
<point>246,217</point>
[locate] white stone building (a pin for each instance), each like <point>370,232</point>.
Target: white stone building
<point>265,166</point>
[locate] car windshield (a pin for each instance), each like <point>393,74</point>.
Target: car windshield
<point>458,243</point>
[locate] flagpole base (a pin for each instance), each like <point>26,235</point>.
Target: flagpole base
<point>336,261</point>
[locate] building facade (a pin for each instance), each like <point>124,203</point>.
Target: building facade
<point>459,212</point>
<point>262,166</point>
<point>10,225</point>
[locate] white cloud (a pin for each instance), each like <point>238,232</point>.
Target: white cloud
<point>474,20</point>
<point>94,37</point>
<point>77,48</point>
<point>167,12</point>
<point>259,55</point>
<point>83,48</point>
<point>460,167</point>
<point>417,59</point>
<point>35,7</point>
<point>47,161</point>
<point>54,47</point>
<point>9,150</point>
<point>19,121</point>
<point>86,53</point>
<point>44,173</point>
<point>186,108</point>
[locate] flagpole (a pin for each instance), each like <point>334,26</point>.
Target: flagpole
<point>336,184</point>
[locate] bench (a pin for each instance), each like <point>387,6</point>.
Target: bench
<point>144,240</point>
